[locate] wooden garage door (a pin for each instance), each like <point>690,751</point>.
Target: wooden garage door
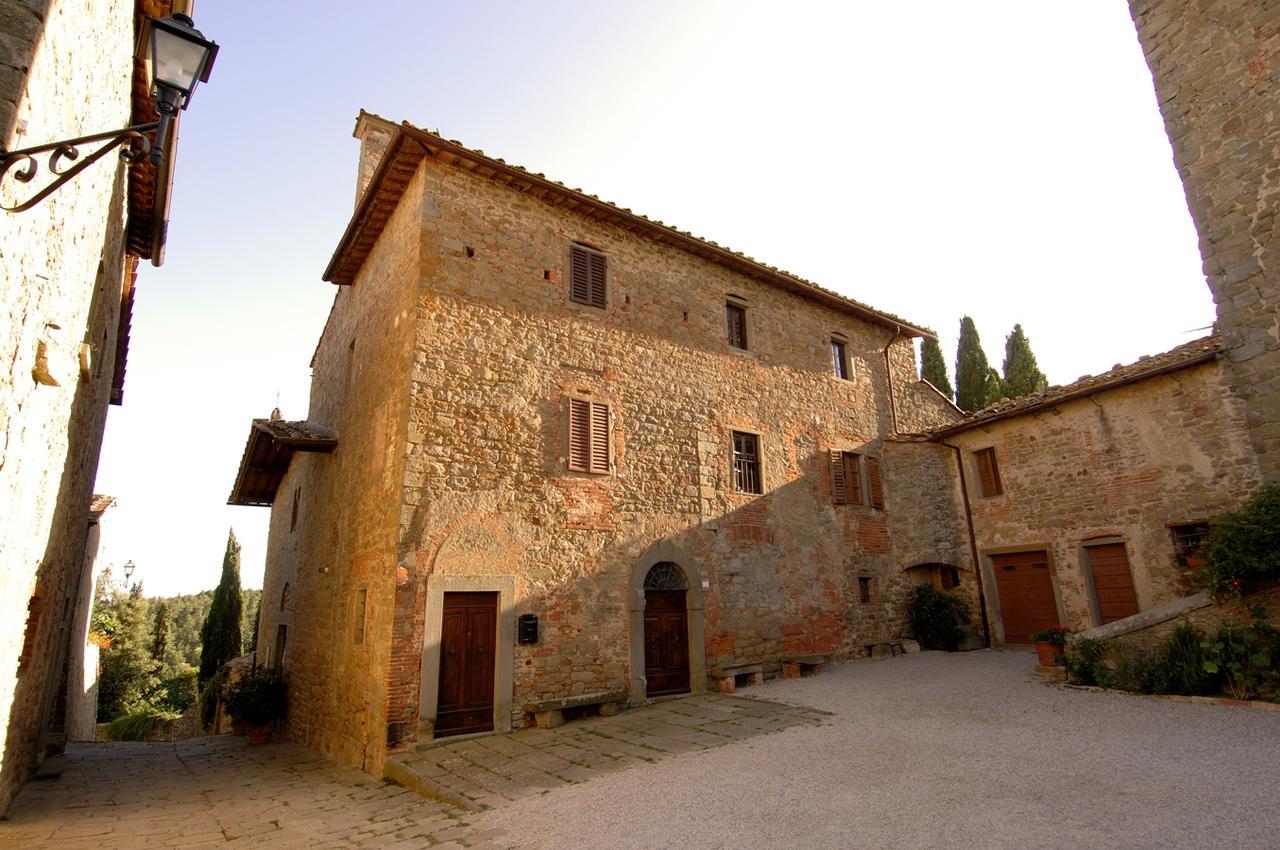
<point>1026,594</point>
<point>1112,581</point>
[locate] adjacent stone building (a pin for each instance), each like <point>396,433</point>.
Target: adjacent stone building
<point>1088,500</point>
<point>66,70</point>
<point>529,404</point>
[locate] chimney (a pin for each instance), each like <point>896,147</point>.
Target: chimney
<point>374,133</point>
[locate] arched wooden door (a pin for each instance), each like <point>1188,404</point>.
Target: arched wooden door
<point>666,630</point>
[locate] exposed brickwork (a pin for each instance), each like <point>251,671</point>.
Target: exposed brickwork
<point>63,274</point>
<point>1122,464</point>
<point>1215,67</point>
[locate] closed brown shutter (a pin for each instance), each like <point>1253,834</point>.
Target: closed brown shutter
<point>853,477</point>
<point>579,435</point>
<point>599,437</point>
<point>988,472</point>
<point>587,276</point>
<point>838,493</point>
<point>874,485</point>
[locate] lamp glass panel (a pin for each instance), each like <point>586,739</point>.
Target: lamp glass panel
<point>176,61</point>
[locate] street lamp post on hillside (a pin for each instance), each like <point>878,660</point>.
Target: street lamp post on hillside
<point>178,58</point>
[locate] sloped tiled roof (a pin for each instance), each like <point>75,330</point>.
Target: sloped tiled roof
<point>267,453</point>
<point>1184,356</point>
<point>98,505</point>
<point>411,144</point>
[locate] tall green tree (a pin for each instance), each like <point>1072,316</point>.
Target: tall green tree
<point>933,367</point>
<point>127,675</point>
<point>160,633</point>
<point>1022,376</point>
<point>220,634</point>
<point>974,388</point>
<point>251,640</point>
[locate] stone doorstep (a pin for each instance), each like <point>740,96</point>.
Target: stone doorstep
<point>403,774</point>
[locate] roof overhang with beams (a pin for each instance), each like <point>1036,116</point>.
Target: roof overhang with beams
<point>267,454</point>
<point>410,145</point>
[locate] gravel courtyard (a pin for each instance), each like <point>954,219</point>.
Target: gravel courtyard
<point>928,750</point>
<point>936,750</point>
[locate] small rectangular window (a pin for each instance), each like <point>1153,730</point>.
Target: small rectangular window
<point>950,577</point>
<point>840,359</point>
<point>588,436</point>
<point>587,276</point>
<point>293,516</point>
<point>988,473</point>
<point>361,607</point>
<point>1186,543</point>
<point>736,320</point>
<point>864,589</point>
<point>846,478</point>
<point>746,463</point>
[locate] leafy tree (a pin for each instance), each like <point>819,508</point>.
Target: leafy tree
<point>1021,374</point>
<point>220,634</point>
<point>127,675</point>
<point>251,639</point>
<point>933,368</point>
<point>1242,552</point>
<point>974,386</point>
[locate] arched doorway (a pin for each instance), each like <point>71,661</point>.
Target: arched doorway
<point>666,630</point>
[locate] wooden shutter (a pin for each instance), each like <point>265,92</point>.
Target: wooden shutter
<point>599,437</point>
<point>598,278</point>
<point>988,473</point>
<point>579,435</point>
<point>580,274</point>
<point>839,494</point>
<point>874,486</point>
<point>853,477</point>
<point>736,321</point>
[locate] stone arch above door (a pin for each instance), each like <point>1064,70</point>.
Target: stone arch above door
<point>669,552</point>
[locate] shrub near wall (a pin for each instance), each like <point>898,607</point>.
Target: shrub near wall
<point>1242,553</point>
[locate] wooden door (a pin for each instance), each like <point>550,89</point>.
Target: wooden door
<point>468,639</point>
<point>666,642</point>
<point>1026,594</point>
<point>1112,581</point>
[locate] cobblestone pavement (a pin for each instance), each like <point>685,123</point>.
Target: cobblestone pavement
<point>219,792</point>
<point>490,771</point>
<point>215,792</point>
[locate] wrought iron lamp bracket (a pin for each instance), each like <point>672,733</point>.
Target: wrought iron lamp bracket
<point>136,147</point>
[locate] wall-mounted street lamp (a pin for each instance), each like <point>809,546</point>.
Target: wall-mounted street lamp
<point>178,58</point>
<point>129,567</point>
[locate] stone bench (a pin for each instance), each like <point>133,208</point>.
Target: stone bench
<point>549,714</point>
<point>795,666</point>
<point>727,678</point>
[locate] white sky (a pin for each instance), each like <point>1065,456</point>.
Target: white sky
<point>1001,158</point>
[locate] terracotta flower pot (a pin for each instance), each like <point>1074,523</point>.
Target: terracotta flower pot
<point>1049,655</point>
<point>259,733</point>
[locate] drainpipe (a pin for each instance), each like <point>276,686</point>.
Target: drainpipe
<point>973,543</point>
<point>888,371</point>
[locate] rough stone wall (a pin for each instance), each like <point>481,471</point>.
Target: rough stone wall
<point>1215,67</point>
<point>348,514</point>
<point>63,275</point>
<point>500,348</point>
<point>1124,463</point>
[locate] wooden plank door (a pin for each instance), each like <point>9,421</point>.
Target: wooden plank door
<point>1112,581</point>
<point>666,642</point>
<point>1026,594</point>
<point>468,639</point>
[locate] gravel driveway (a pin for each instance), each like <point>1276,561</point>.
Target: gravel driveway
<point>937,750</point>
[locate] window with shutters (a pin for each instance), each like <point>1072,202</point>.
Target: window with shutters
<point>855,480</point>
<point>988,470</point>
<point>840,358</point>
<point>1186,543</point>
<point>735,314</point>
<point>588,436</point>
<point>588,276</point>
<point>746,463</point>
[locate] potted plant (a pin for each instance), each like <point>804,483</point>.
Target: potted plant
<point>256,702</point>
<point>1049,643</point>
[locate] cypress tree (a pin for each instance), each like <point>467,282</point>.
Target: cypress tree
<point>252,639</point>
<point>973,374</point>
<point>1021,374</point>
<point>220,634</point>
<point>160,633</point>
<point>933,368</point>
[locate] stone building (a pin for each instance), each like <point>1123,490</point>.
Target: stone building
<point>560,455</point>
<point>70,262</point>
<point>1215,69</point>
<point>1087,501</point>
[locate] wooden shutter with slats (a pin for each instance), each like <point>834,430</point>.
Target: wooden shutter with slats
<point>875,487</point>
<point>579,435</point>
<point>853,477</point>
<point>839,495</point>
<point>599,438</point>
<point>588,276</point>
<point>597,287</point>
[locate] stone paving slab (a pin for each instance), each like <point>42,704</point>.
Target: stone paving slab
<point>485,773</point>
<point>219,791</point>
